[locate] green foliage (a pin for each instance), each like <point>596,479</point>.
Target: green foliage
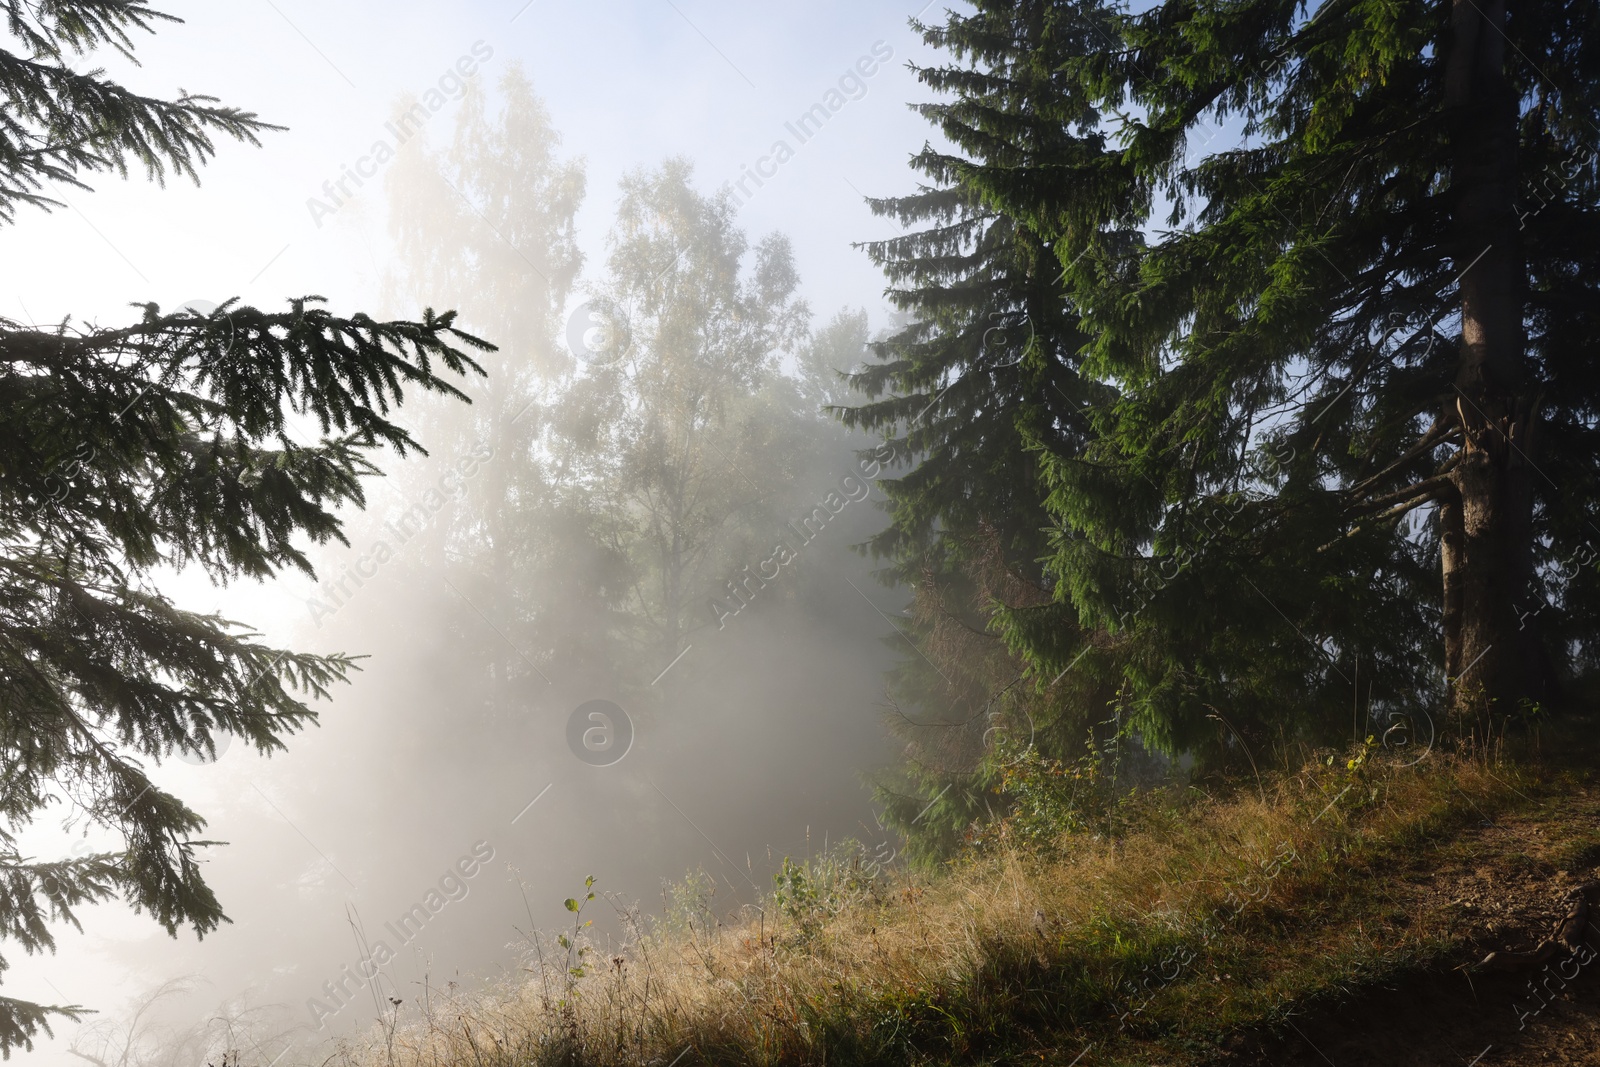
<point>61,123</point>
<point>577,950</point>
<point>810,893</point>
<point>1276,313</point>
<point>1212,491</point>
<point>1050,797</point>
<point>163,444</point>
<point>1220,465</point>
<point>985,365</point>
<point>689,907</point>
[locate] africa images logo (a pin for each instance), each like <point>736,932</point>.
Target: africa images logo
<point>599,732</point>
<point>597,332</point>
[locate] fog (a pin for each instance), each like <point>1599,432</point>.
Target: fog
<point>642,506</point>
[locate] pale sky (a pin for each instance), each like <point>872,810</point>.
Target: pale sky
<point>627,84</point>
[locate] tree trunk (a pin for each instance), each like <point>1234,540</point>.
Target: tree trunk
<point>1451,536</point>
<point>1487,526</point>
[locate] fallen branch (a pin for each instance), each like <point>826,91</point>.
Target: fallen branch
<point>1567,935</point>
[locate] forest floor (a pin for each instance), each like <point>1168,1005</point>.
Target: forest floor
<point>1501,883</point>
<point>1330,913</point>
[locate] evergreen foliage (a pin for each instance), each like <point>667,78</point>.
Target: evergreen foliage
<point>1318,301</point>
<point>59,123</point>
<point>165,444</point>
<point>1346,344</point>
<point>986,364</point>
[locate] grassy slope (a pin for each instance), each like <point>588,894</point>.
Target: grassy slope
<point>1316,917</point>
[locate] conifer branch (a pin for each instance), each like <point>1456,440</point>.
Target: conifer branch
<point>165,442</point>
<point>1436,435</point>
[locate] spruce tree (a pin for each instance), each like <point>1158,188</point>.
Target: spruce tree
<point>1337,263</point>
<point>160,444</point>
<point>985,366</point>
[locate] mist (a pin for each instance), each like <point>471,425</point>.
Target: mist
<point>645,512</point>
<point>676,533</point>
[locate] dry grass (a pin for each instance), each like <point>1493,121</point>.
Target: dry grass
<point>1206,915</point>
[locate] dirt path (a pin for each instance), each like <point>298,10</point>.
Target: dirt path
<point>1498,886</point>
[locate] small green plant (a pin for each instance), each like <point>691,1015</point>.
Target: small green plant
<point>810,893</point>
<point>1530,714</point>
<point>1359,760</point>
<point>1051,797</point>
<point>689,907</point>
<point>1356,783</point>
<point>576,948</point>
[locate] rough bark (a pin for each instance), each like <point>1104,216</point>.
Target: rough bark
<point>1487,549</point>
<point>1450,549</point>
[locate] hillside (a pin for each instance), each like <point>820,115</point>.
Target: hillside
<point>1332,914</point>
